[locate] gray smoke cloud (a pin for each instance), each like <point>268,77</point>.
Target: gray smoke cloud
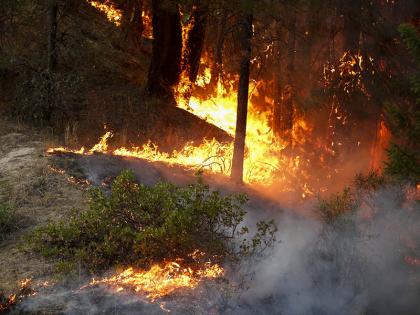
<point>357,267</point>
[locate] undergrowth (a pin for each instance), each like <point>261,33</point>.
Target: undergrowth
<point>7,219</point>
<point>140,225</point>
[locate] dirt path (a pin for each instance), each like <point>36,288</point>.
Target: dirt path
<point>37,195</point>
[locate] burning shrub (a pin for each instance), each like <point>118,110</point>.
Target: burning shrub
<point>141,225</point>
<point>8,302</point>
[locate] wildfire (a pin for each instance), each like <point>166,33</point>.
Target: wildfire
<point>112,14</point>
<point>147,24</point>
<point>6,303</point>
<point>264,156</point>
<point>264,159</point>
<point>161,279</point>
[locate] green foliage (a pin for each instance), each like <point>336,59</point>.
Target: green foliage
<point>411,39</point>
<point>404,121</point>
<point>338,207</point>
<point>370,182</point>
<point>140,225</point>
<point>403,164</point>
<point>7,219</point>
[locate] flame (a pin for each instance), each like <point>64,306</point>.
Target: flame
<point>264,150</point>
<point>378,151</point>
<point>112,14</point>
<point>161,279</point>
<point>147,24</point>
<point>264,161</point>
<point>6,303</point>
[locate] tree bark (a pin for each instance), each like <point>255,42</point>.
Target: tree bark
<point>195,41</point>
<point>351,12</point>
<point>289,89</point>
<point>132,22</point>
<point>277,93</point>
<point>165,67</point>
<point>242,110</point>
<point>52,35</point>
<point>216,70</point>
<point>284,93</point>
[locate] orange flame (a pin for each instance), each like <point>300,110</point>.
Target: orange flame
<point>264,160</point>
<point>161,279</point>
<point>112,14</point>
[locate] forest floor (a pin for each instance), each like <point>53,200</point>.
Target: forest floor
<point>36,193</point>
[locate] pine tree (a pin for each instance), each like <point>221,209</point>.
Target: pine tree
<point>404,121</point>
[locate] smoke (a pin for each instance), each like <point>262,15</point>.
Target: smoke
<point>355,266</point>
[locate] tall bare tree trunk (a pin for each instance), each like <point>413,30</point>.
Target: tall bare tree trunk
<point>193,47</point>
<point>285,108</point>
<point>195,40</point>
<point>278,84</point>
<point>242,110</point>
<point>289,91</point>
<point>132,22</point>
<point>216,70</point>
<point>165,67</point>
<point>52,35</point>
<point>351,13</point>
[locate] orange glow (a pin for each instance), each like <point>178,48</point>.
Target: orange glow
<point>264,161</point>
<point>161,279</point>
<point>378,152</point>
<point>147,25</point>
<point>112,14</point>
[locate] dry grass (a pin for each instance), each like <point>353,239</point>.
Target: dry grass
<point>37,195</point>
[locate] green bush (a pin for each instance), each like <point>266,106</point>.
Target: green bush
<point>404,120</point>
<point>7,219</point>
<point>370,182</point>
<point>141,225</point>
<point>338,207</point>
<point>403,164</point>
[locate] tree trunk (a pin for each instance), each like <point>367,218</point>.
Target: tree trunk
<point>195,41</point>
<point>216,70</point>
<point>351,11</point>
<point>277,83</point>
<point>285,89</point>
<point>289,89</point>
<point>52,35</point>
<point>165,67</point>
<point>132,22</point>
<point>242,110</point>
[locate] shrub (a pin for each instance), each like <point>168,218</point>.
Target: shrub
<point>46,98</point>
<point>338,207</point>
<point>7,219</point>
<point>370,182</point>
<point>141,225</point>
